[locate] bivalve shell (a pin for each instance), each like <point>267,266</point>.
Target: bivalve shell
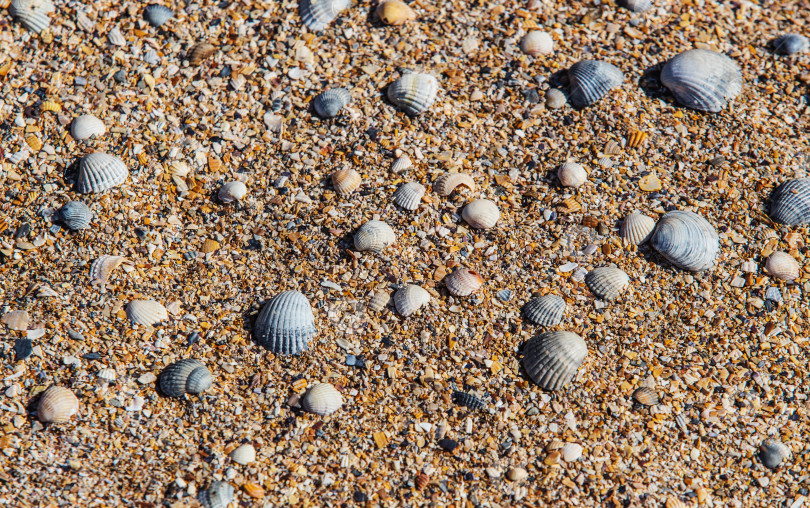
<point>772,452</point>
<point>374,236</point>
<point>637,5</point>
<point>447,183</point>
<point>687,240</point>
<point>546,310</point>
<point>346,181</point>
<point>468,400</point>
<point>409,195</point>
<point>146,312</point>
<point>217,495</point>
<point>285,324</point>
<point>702,79</point>
<point>637,228</point>
<point>410,298</point>
<point>517,474</point>
<point>590,80</point>
<point>572,174</point>
<point>33,14</point>
<point>463,282</point>
<point>413,93</point>
<point>103,267</point>
<point>244,454</point>
<point>57,405</point>
<point>607,282</point>
<point>185,376</point>
<point>536,43</point>
<point>322,399</point>
<point>99,172</point>
<point>329,103</point>
<point>199,52</point>
<point>232,191</point>
<point>86,126</point>
<point>157,14</point>
<point>16,320</point>
<point>782,266</point>
<point>790,202</point>
<point>789,44</point>
<point>75,215</point>
<point>317,14</point>
<point>481,214</point>
<point>646,396</point>
<point>555,98</point>
<point>571,452</point>
<point>551,359</point>
<point>400,164</point>
<point>395,12</point>
<point>379,300</point>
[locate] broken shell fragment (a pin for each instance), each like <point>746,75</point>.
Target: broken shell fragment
<point>374,236</point>
<point>16,320</point>
<point>413,93</point>
<point>146,312</point>
<point>463,282</point>
<point>687,240</point>
<point>702,79</point>
<point>185,376</point>
<point>32,14</point>
<point>410,298</point>
<point>322,399</point>
<point>199,52</point>
<point>636,5</point>
<point>379,300</point>
<point>637,228</point>
<point>395,12</point>
<point>409,195</point>
<point>546,310</point>
<point>285,324</point>
<point>99,172</point>
<point>536,43</point>
<point>447,183</point>
<point>329,103</point>
<point>346,181</point>
<point>607,282</point>
<point>317,14</point>
<point>75,215</point>
<point>102,268</point>
<point>572,174</point>
<point>217,495</point>
<point>551,359</point>
<point>243,455</point>
<point>86,126</point>
<point>481,214</point>
<point>57,405</point>
<point>232,191</point>
<point>468,400</point>
<point>782,266</point>
<point>590,80</point>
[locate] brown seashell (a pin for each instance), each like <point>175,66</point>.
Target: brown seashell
<point>346,181</point>
<point>57,405</point>
<point>209,246</point>
<point>200,52</point>
<point>447,183</point>
<point>16,320</point>
<point>253,490</point>
<point>379,300</point>
<point>463,282</point>
<point>422,481</point>
<point>52,106</point>
<point>636,139</point>
<point>646,396</point>
<point>395,12</point>
<point>34,142</point>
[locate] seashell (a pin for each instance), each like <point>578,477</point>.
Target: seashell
<point>637,228</point>
<point>75,215</point>
<point>57,405</point>
<point>636,5</point>
<point>555,98</point>
<point>199,52</point>
<point>571,452</point>
<point>86,126</point>
<point>185,376</point>
<point>636,139</point>
<point>33,14</point>
<point>481,214</point>
<point>179,168</point>
<point>317,14</point>
<point>546,310</point>
<point>772,452</point>
<point>409,195</point>
<point>782,266</point>
<point>409,298</point>
<point>285,324</point>
<point>33,142</point>
<point>16,320</point>
<point>463,282</point>
<point>517,474</point>
<point>232,191</point>
<point>607,282</point>
<point>612,148</point>
<point>329,103</point>
<point>209,246</point>
<point>687,240</point>
<point>395,12</point>
<point>790,202</point>
<point>674,502</point>
<point>413,93</point>
<point>157,14</point>
<point>400,164</point>
<point>217,495</point>
<point>379,300</point>
<point>374,236</point>
<point>116,38</point>
<point>605,162</point>
<point>702,79</point>
<point>572,174</point>
<point>99,172</point>
<point>107,374</point>
<point>536,43</point>
<point>590,80</point>
<point>646,396</point>
<point>146,312</point>
<point>551,359</point>
<point>52,106</point>
<point>243,455</point>
<point>556,444</point>
<point>103,267</point>
<point>789,44</point>
<point>468,400</point>
<point>346,181</point>
<point>322,399</point>
<point>447,183</point>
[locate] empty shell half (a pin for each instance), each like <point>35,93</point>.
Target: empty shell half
<point>329,103</point>
<point>637,228</point>
<point>463,282</point>
<point>782,266</point>
<point>200,52</point>
<point>75,215</point>
<point>546,310</point>
<point>607,282</point>
<point>146,312</point>
<point>346,181</point>
<point>790,202</point>
<point>33,14</point>
<point>16,320</point>
<point>572,174</point>
<point>86,126</point>
<point>400,164</point>
<point>481,214</point>
<point>409,195</point>
<point>789,44</point>
<point>244,454</point>
<point>646,396</point>
<point>217,495</point>
<point>590,80</point>
<point>702,79</point>
<point>99,172</point>
<point>410,298</point>
<point>374,236</point>
<point>447,183</point>
<point>379,300</point>
<point>317,14</point>
<point>571,452</point>
<point>551,359</point>
<point>232,191</point>
<point>285,324</point>
<point>102,268</point>
<point>157,15</point>
<point>772,452</point>
<point>467,400</point>
<point>185,376</point>
<point>395,12</point>
<point>413,93</point>
<point>687,240</point>
<point>536,43</point>
<point>322,399</point>
<point>57,405</point>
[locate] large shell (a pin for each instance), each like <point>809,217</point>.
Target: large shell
<point>782,266</point>
<point>395,12</point>
<point>646,396</point>
<point>409,195</point>
<point>16,320</point>
<point>157,14</point>
<point>772,452</point>
<point>33,14</point>
<point>244,454</point>
<point>789,44</point>
<point>468,400</point>
<point>322,399</point>
<point>317,14</point>
<point>232,191</point>
<point>413,93</point>
<point>379,300</point>
<point>636,5</point>
<point>572,174</point>
<point>607,282</point>
<point>536,43</point>
<point>409,298</point>
<point>637,228</point>
<point>463,282</point>
<point>285,324</point>
<point>346,181</point>
<point>374,236</point>
<point>702,79</point>
<point>590,80</point>
<point>75,215</point>
<point>552,358</point>
<point>86,126</point>
<point>57,405</point>
<point>146,312</point>
<point>687,240</point>
<point>200,52</point>
<point>447,183</point>
<point>99,172</point>
<point>546,310</point>
<point>790,202</point>
<point>329,103</point>
<point>185,376</point>
<point>102,268</point>
<point>217,495</point>
<point>481,214</point>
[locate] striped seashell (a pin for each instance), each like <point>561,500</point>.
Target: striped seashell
<point>636,139</point>
<point>51,106</point>
<point>612,148</point>
<point>572,174</point>
<point>16,320</point>
<point>410,298</point>
<point>103,267</point>
<point>605,162</point>
<point>209,246</point>
<point>481,214</point>
<point>217,495</point>
<point>346,181</point>
<point>790,202</point>
<point>551,359</point>
<point>86,126</point>
<point>395,12</point>
<point>646,396</point>
<point>329,103</point>
<point>637,228</point>
<point>536,43</point>
<point>555,98</point>
<point>179,168</point>
<point>379,300</point>
<point>285,324</point>
<point>99,172</point>
<point>116,38</point>
<point>556,444</point>
<point>33,14</point>
<point>447,183</point>
<point>409,195</point>
<point>571,452</point>
<point>75,215</point>
<point>636,5</point>
<point>146,312</point>
<point>57,405</point>
<point>772,452</point>
<point>243,455</point>
<point>107,374</point>
<point>687,240</point>
<point>413,93</point>
<point>317,14</point>
<point>232,191</point>
<point>374,236</point>
<point>702,79</point>
<point>157,14</point>
<point>400,164</point>
<point>789,44</point>
<point>674,502</point>
<point>185,376</point>
<point>782,266</point>
<point>607,282</point>
<point>546,310</point>
<point>322,399</point>
<point>463,282</point>
<point>199,52</point>
<point>590,80</point>
<point>468,400</point>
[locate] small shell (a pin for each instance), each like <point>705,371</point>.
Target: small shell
<point>243,455</point>
<point>329,103</point>
<point>447,183</point>
<point>637,228</point>
<point>413,93</point>
<point>590,80</point>
<point>409,298</point>
<point>317,14</point>
<point>346,181</point>
<point>463,282</point>
<point>185,376</point>
<point>103,267</point>
<point>772,452</point>
<point>33,14</point>
<point>75,215</point>
<point>156,14</point>
<point>400,164</point>
<point>285,324</point>
<point>99,172</point>
<point>322,399</point>
<point>571,452</point>
<point>86,126</point>
<point>636,139</point>
<point>395,12</point>
<point>232,191</point>
<point>209,246</point>
<point>790,202</point>
<point>646,396</point>
<point>551,359</point>
<point>146,312</point>
<point>636,5</point>
<point>374,236</point>
<point>409,195</point>
<point>546,310</point>
<point>108,374</point>
<point>516,474</point>
<point>687,240</point>
<point>179,168</point>
<point>555,98</point>
<point>607,282</point>
<point>52,106</point>
<point>572,174</point>
<point>200,52</point>
<point>782,266</point>
<point>116,38</point>
<point>481,214</point>
<point>536,43</point>
<point>379,300</point>
<point>468,400</point>
<point>16,320</point>
<point>702,79</point>
<point>789,44</point>
<point>57,405</point>
<point>217,495</point>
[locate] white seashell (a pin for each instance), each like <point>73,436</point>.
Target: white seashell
<point>86,126</point>
<point>57,405</point>
<point>789,44</point>
<point>481,214</point>
<point>317,14</point>
<point>607,282</point>
<point>243,455</point>
<point>782,266</point>
<point>379,300</point>
<point>232,191</point>
<point>146,312</point>
<point>185,376</point>
<point>637,5</point>
<point>790,202</point>
<point>687,240</point>
<point>16,320</point>
<point>346,181</point>
<point>217,495</point>
<point>572,174</point>
<point>116,38</point>
<point>107,374</point>
<point>702,79</point>
<point>571,452</point>
<point>590,80</point>
<point>772,452</point>
<point>546,310</point>
<point>374,236</point>
<point>400,164</point>
<point>637,228</point>
<point>75,215</point>
<point>285,324</point>
<point>447,183</point>
<point>413,93</point>
<point>322,399</point>
<point>555,98</point>
<point>463,282</point>
<point>179,169</point>
<point>102,268</point>
<point>551,359</point>
<point>329,103</point>
<point>536,43</point>
<point>157,15</point>
<point>99,172</point>
<point>33,14</point>
<point>409,195</point>
<point>409,298</point>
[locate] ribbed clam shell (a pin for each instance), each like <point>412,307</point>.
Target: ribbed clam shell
<point>400,164</point>
<point>57,405</point>
<point>394,12</point>
<point>99,172</point>
<point>317,14</point>
<point>232,191</point>
<point>607,282</point>
<point>782,266</point>
<point>481,214</point>
<point>75,215</point>
<point>346,181</point>
<point>572,174</point>
<point>555,98</point>
<point>637,228</point>
<point>687,240</point>
<point>447,183</point>
<point>636,5</point>
<point>590,80</point>
<point>115,37</point>
<point>185,376</point>
<point>156,14</point>
<point>217,495</point>
<point>285,324</point>
<point>33,14</point>
<point>243,455</point>
<point>200,52</point>
<point>409,195</point>
<point>551,359</point>
<point>329,103</point>
<point>790,202</point>
<point>86,126</point>
<point>536,43</point>
<point>571,452</point>
<point>16,320</point>
<point>322,399</point>
<point>546,310</point>
<point>702,79</point>
<point>463,282</point>
<point>646,396</point>
<point>102,268</point>
<point>146,312</point>
<point>107,374</point>
<point>379,300</point>
<point>374,236</point>
<point>772,452</point>
<point>409,298</point>
<point>789,44</point>
<point>467,400</point>
<point>413,93</point>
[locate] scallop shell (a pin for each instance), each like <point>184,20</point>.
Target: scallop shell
<point>413,93</point>
<point>409,298</point>
<point>157,15</point>
<point>702,79</point>
<point>789,44</point>
<point>607,282</point>
<point>285,324</point>
<point>637,5</point>
<point>57,405</point>
<point>463,282</point>
<point>322,399</point>
<point>395,12</point>
<point>687,240</point>
<point>185,376</point>
<point>329,103</point>
<point>447,183</point>
<point>243,455</point>
<point>590,80</point>
<point>16,320</point>
<point>317,14</point>
<point>86,126</point>
<point>199,52</point>
<point>790,202</point>
<point>646,396</point>
<point>102,268</point>
<point>400,164</point>
<point>772,452</point>
<point>572,174</point>
<point>217,495</point>
<point>481,214</point>
<point>346,181</point>
<point>146,312</point>
<point>374,236</point>
<point>468,400</point>
<point>536,43</point>
<point>232,191</point>
<point>571,452</point>
<point>379,300</point>
<point>99,172</point>
<point>637,228</point>
<point>33,14</point>
<point>782,266</point>
<point>409,195</point>
<point>75,215</point>
<point>555,98</point>
<point>551,359</point>
<point>546,310</point>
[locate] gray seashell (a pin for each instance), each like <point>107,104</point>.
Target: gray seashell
<point>687,240</point>
<point>379,300</point>
<point>86,126</point>
<point>317,14</point>
<point>702,79</point>
<point>232,191</point>
<point>636,5</point>
<point>116,38</point>
<point>185,376</point>
<point>400,164</point>
<point>637,228</point>
<point>99,172</point>
<point>146,312</point>
<point>285,324</point>
<point>413,93</point>
<point>468,400</point>
<point>409,195</point>
<point>322,399</point>
<point>607,282</point>
<point>789,44</point>
<point>772,452</point>
<point>33,14</point>
<point>551,359</point>
<point>374,236</point>
<point>243,455</point>
<point>75,215</point>
<point>555,98</point>
<point>217,495</point>
<point>546,310</point>
<point>590,80</point>
<point>790,202</point>
<point>329,103</point>
<point>409,298</point>
<point>157,14</point>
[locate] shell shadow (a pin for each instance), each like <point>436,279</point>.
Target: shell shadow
<point>650,82</point>
<point>650,255</point>
<point>71,173</point>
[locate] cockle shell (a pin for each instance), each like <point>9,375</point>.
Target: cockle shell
<point>86,126</point>
<point>232,191</point>
<point>379,300</point>
<point>409,298</point>
<point>395,12</point>
<point>317,14</point>
<point>185,376</point>
<point>772,452</point>
<point>546,310</point>
<point>447,183</point>
<point>329,102</point>
<point>572,174</point>
<point>555,98</point>
<point>346,181</point>
<point>646,396</point>
<point>468,400</point>
<point>102,268</point>
<point>413,93</point>
<point>115,37</point>
<point>607,282</point>
<point>551,359</point>
<point>637,228</point>
<point>146,312</point>
<point>789,44</point>
<point>790,202</point>
<point>57,405</point>
<point>217,495</point>
<point>322,399</point>
<point>157,15</point>
<point>409,195</point>
<point>637,5</point>
<point>33,14</point>
<point>463,282</point>
<point>536,43</point>
<point>285,324</point>
<point>400,164</point>
<point>702,79</point>
<point>374,236</point>
<point>571,452</point>
<point>99,172</point>
<point>244,454</point>
<point>107,374</point>
<point>481,214</point>
<point>687,240</point>
<point>590,80</point>
<point>782,266</point>
<point>16,320</point>
<point>199,52</point>
<point>75,215</point>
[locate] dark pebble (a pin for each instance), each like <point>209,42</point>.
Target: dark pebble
<point>22,349</point>
<point>360,497</point>
<point>448,444</point>
<point>120,77</point>
<point>193,338</point>
<point>92,356</point>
